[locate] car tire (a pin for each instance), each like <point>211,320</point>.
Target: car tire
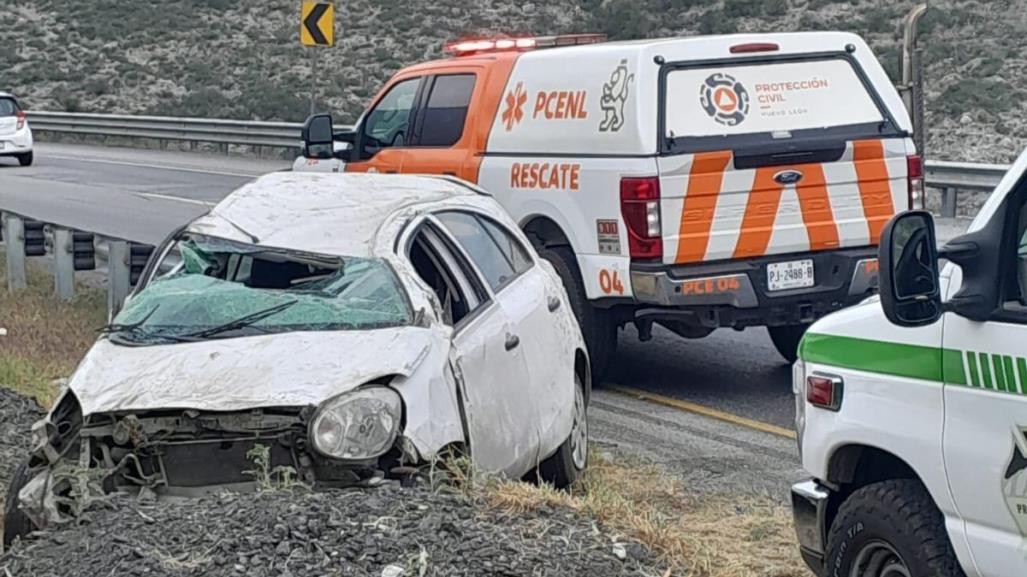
<point>25,159</point>
<point>570,460</point>
<point>597,328</point>
<point>786,340</point>
<point>16,523</point>
<point>890,525</point>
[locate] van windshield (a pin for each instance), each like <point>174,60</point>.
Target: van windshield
<point>215,288</point>
<point>728,105</point>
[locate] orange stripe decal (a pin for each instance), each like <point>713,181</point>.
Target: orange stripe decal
<point>704,182</point>
<point>816,208</point>
<point>874,189</point>
<point>760,214</point>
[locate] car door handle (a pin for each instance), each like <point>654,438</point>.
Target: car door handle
<point>554,303</point>
<point>512,341</point>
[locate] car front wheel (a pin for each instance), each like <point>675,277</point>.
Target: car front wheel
<point>16,523</point>
<point>890,529</point>
<point>571,459</point>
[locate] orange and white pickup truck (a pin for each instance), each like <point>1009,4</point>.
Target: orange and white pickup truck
<point>696,183</point>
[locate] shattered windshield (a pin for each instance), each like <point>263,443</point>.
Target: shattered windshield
<point>215,288</point>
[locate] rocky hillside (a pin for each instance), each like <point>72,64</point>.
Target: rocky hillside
<point>242,59</point>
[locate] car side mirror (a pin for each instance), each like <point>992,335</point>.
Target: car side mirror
<point>910,275</point>
<point>318,137</point>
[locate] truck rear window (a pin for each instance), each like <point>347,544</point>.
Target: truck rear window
<point>778,100</point>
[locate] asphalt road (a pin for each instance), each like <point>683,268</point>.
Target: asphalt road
<point>143,195</point>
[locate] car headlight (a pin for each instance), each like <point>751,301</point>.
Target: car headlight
<point>360,424</point>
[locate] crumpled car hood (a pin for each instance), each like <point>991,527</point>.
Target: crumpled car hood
<point>286,369</point>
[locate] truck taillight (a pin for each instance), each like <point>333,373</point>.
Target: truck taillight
<point>915,174</point>
<point>754,47</point>
<point>640,208</point>
<point>824,391</point>
<point>20,115</point>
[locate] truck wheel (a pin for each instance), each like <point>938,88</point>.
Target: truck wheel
<point>569,461</point>
<point>16,524</point>
<point>599,332</point>
<point>890,529</point>
<point>786,340</point>
<point>25,159</point>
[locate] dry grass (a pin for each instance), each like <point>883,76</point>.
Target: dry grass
<point>45,338</point>
<point>696,535</point>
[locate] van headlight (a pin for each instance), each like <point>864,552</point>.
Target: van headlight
<point>360,424</point>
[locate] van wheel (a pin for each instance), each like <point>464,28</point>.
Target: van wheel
<point>890,529</point>
<point>786,340</point>
<point>569,461</point>
<point>16,523</point>
<point>25,159</point>
<point>596,325</point>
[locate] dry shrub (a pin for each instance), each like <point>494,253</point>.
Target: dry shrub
<point>45,338</point>
<point>696,535</point>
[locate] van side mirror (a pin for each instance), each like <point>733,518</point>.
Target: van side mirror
<point>910,275</point>
<point>318,137</point>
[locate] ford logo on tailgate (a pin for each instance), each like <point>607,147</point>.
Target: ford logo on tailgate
<point>788,177</point>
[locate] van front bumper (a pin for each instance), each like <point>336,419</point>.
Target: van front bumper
<point>736,293</point>
<point>809,510</point>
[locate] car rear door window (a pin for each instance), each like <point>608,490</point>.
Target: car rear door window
<point>497,254</point>
<point>444,115</point>
<point>8,107</point>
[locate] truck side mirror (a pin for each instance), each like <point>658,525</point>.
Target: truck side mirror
<point>910,283</point>
<point>318,137</point>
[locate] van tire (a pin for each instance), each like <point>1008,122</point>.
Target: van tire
<point>900,515</point>
<point>786,340</point>
<point>16,523</point>
<point>597,328</point>
<point>25,159</point>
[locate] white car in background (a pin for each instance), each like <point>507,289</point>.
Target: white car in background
<point>355,326</point>
<point>15,134</point>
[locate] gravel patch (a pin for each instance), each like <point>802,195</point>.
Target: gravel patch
<point>388,532</point>
<point>17,413</point>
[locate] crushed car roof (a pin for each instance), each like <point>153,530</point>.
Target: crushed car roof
<point>336,214</point>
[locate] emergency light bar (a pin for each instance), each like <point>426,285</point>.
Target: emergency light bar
<point>483,45</point>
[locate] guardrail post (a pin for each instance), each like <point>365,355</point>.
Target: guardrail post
<point>118,284</point>
<point>14,239</point>
<point>63,264</point>
<point>948,202</point>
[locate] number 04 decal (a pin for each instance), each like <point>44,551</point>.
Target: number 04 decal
<point>609,282</point>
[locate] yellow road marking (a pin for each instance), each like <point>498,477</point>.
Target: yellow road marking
<point>702,410</point>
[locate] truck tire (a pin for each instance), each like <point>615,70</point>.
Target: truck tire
<point>16,524</point>
<point>887,527</point>
<point>596,327</point>
<point>25,159</point>
<point>786,340</point>
<point>569,461</point>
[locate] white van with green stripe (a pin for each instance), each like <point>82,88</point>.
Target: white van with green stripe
<point>911,408</point>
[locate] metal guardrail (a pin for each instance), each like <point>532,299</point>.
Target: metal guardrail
<point>951,177</point>
<point>245,132</point>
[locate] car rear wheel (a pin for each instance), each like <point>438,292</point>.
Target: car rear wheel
<point>25,159</point>
<point>597,327</point>
<point>786,340</point>
<point>16,523</point>
<point>890,529</point>
<point>571,459</point>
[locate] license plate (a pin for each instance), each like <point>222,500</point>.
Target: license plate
<point>790,275</point>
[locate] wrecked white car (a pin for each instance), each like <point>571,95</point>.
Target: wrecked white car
<point>352,327</point>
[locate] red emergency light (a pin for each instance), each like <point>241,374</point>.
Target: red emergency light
<point>468,47</point>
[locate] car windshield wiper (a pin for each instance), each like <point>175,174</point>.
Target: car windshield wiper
<point>127,327</point>
<point>241,322</point>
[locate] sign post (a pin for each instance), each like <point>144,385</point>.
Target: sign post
<point>317,28</point>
